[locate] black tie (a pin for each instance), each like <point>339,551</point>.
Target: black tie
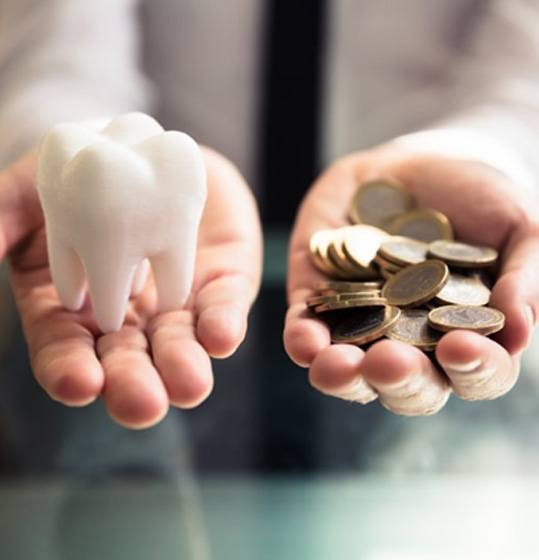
<point>291,101</point>
<point>288,164</point>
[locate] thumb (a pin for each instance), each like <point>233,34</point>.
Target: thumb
<point>20,210</point>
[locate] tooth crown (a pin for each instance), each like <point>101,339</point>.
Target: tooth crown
<point>114,197</point>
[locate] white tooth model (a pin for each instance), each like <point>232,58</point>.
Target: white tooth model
<point>113,198</point>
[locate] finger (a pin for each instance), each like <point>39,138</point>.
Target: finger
<point>318,211</point>
<point>516,293</point>
<point>477,367</point>
<point>134,393</point>
<point>304,336</point>
<point>67,366</point>
<point>229,259</point>
<point>61,346</point>
<point>335,372</point>
<point>182,362</point>
<point>222,305</point>
<point>405,378</point>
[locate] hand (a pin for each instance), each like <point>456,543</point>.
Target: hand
<point>155,359</point>
<point>484,208</point>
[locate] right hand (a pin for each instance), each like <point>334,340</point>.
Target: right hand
<point>155,359</point>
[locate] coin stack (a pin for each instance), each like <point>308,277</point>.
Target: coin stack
<point>398,272</point>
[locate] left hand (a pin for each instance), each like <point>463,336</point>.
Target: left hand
<point>485,208</point>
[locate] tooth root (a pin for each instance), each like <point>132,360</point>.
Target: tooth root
<point>173,274</point>
<point>67,273</point>
<point>109,283</point>
<point>140,278</point>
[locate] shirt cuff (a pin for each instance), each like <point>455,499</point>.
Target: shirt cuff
<point>462,143</point>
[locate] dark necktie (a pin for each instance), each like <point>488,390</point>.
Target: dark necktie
<point>289,132</point>
<point>290,109</point>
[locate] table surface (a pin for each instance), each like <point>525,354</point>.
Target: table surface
<point>367,517</point>
<point>266,469</point>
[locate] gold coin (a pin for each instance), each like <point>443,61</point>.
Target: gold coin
<point>347,295</point>
<point>403,251</point>
<point>361,243</point>
<point>350,269</point>
<point>377,202</point>
<point>416,284</point>
<point>338,260</point>
<point>318,246</point>
<point>350,304</point>
<point>366,274</point>
<point>387,265</point>
<point>483,320</point>
<point>314,301</point>
<point>386,274</point>
<point>324,265</point>
<point>424,224</point>
<point>316,258</point>
<point>413,328</point>
<point>365,326</point>
<point>360,295</point>
<point>334,286</point>
<point>319,238</point>
<point>462,254</point>
<point>464,290</point>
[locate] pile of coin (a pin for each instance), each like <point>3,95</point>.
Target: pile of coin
<point>398,272</point>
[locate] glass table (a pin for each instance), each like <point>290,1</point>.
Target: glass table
<point>266,517</point>
<point>266,469</point>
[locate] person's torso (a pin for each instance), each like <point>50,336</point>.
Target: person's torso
<point>386,68</point>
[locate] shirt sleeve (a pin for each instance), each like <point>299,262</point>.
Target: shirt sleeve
<point>495,92</point>
<point>64,60</point>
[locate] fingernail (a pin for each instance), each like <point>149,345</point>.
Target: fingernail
<point>466,367</point>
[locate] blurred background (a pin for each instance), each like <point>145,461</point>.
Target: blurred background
<point>267,467</point>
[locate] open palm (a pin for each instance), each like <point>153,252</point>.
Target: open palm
<point>155,359</point>
<point>484,208</point>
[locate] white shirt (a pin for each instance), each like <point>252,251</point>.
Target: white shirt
<point>392,67</point>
